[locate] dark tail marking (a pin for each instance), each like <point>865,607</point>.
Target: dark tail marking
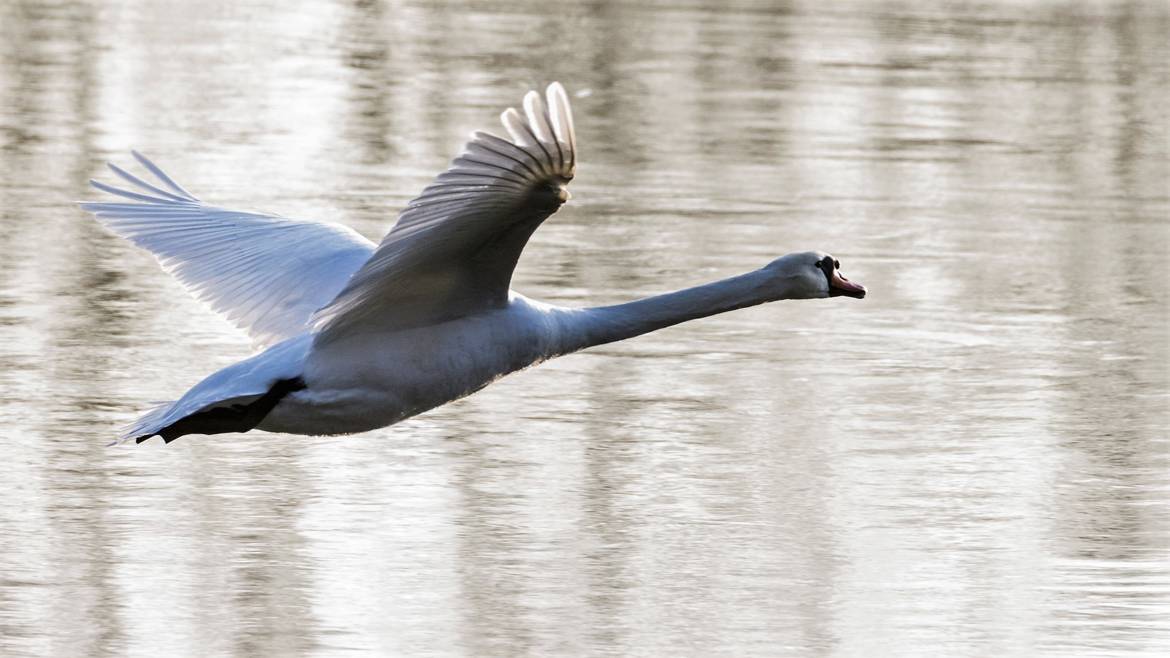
<point>236,418</point>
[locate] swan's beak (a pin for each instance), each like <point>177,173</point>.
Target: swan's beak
<point>839,285</point>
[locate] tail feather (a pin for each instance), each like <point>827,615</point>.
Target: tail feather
<point>171,420</point>
<point>146,425</point>
<point>234,399</point>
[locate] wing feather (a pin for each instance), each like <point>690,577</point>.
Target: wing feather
<point>162,175</point>
<point>136,181</point>
<point>454,247</point>
<point>266,274</point>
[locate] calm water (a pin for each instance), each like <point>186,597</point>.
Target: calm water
<point>971,461</point>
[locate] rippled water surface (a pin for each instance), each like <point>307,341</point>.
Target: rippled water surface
<point>971,461</point>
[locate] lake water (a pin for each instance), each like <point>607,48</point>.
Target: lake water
<point>972,461</point>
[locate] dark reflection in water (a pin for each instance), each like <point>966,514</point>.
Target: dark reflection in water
<point>971,461</point>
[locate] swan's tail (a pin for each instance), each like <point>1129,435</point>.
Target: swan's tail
<point>234,399</point>
<point>146,425</point>
<point>240,414</point>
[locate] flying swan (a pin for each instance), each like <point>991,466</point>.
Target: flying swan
<point>353,336</point>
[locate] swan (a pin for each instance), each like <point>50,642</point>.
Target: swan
<point>353,336</point>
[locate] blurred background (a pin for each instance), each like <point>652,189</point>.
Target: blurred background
<point>972,461</point>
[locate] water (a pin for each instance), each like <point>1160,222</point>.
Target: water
<point>970,461</point>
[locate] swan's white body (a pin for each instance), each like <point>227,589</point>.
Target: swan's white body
<point>375,380</point>
<point>356,336</point>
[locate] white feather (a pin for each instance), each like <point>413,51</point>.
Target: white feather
<point>562,120</point>
<point>266,274</point>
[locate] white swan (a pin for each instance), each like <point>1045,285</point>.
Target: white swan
<point>358,336</point>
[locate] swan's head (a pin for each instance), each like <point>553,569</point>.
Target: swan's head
<point>814,275</point>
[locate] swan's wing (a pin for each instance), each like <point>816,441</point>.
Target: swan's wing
<point>454,247</point>
<point>266,274</point>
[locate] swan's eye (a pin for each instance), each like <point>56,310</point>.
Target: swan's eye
<point>837,264</point>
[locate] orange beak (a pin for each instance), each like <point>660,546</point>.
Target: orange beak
<point>839,285</point>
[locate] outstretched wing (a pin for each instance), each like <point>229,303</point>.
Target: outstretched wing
<point>454,247</point>
<point>266,274</point>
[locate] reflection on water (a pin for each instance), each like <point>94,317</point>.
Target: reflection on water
<point>971,461</point>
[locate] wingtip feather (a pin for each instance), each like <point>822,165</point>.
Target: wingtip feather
<point>537,117</point>
<point>141,184</point>
<point>514,124</point>
<point>546,123</point>
<point>561,116</point>
<point>162,176</point>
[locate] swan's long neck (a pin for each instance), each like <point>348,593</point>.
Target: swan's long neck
<point>588,327</point>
